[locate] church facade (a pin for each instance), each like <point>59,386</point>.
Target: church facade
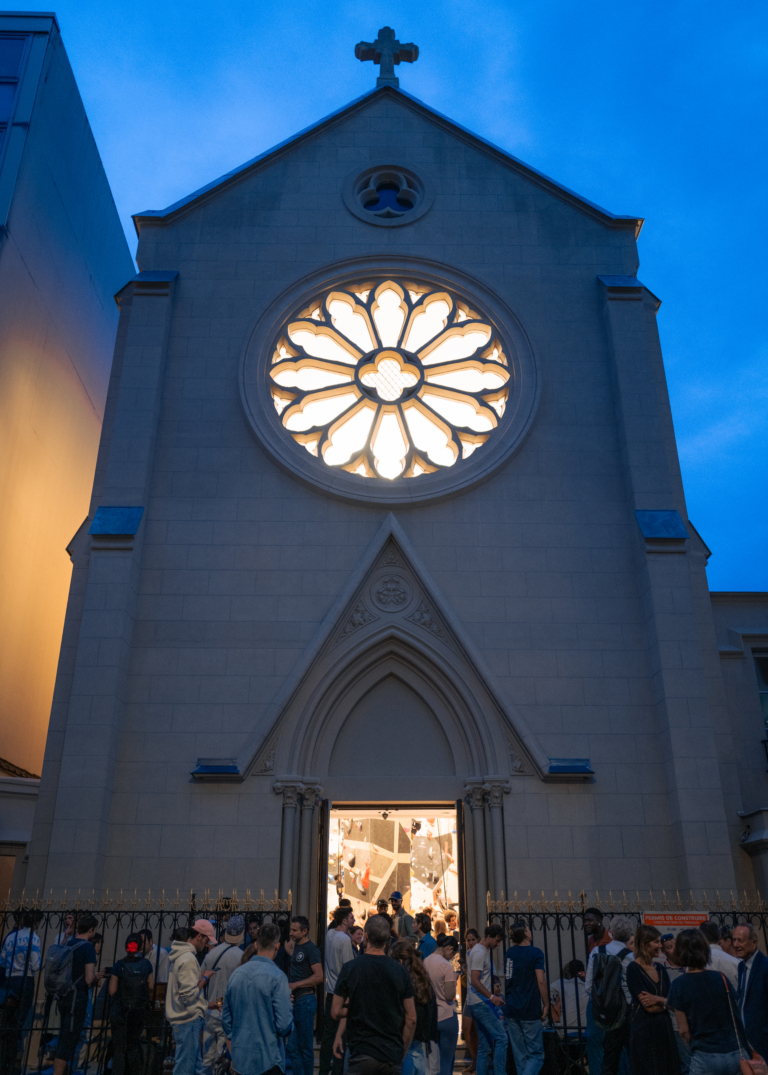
<point>388,519</point>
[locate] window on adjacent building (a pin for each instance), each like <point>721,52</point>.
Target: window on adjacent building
<point>11,56</point>
<point>761,667</point>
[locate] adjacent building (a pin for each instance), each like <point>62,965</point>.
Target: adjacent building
<point>63,255</point>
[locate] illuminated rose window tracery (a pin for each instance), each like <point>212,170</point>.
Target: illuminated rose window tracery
<point>390,379</point>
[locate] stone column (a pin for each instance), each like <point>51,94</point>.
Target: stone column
<point>476,802</point>
<point>310,797</point>
<point>678,665</point>
<point>290,794</point>
<point>496,792</point>
<point>71,837</point>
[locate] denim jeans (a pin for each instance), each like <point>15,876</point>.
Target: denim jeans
<point>715,1063</point>
<point>187,1038</point>
<point>214,1043</point>
<point>492,1034</point>
<point>447,1036</point>
<point>595,1039</point>
<point>413,1062</point>
<point>300,1047</point>
<point>525,1036</point>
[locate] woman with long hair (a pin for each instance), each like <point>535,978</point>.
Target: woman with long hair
<point>439,967</point>
<point>468,1025</point>
<point>652,1046</point>
<point>425,1035</point>
<point>707,1010</point>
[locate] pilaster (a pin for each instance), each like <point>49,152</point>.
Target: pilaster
<point>311,797</point>
<point>677,661</point>
<point>79,833</point>
<point>476,801</point>
<point>497,789</point>
<point>290,792</point>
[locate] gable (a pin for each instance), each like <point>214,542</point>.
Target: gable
<point>404,116</point>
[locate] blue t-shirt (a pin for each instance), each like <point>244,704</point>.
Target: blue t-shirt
<point>710,1009</point>
<point>427,945</point>
<point>522,997</point>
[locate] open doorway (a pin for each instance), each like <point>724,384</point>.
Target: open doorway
<point>374,851</point>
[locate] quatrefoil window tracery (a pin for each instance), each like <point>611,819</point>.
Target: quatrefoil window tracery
<point>389,379</point>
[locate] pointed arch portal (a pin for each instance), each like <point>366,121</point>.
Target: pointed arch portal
<point>391,710</point>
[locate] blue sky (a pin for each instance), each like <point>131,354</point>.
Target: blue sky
<point>654,108</point>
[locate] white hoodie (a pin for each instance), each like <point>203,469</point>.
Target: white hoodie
<point>183,1000</point>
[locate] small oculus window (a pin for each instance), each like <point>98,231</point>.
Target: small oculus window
<point>388,196</point>
<point>388,378</point>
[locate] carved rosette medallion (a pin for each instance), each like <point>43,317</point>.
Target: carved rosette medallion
<point>391,593</point>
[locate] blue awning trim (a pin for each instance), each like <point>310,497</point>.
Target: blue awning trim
<point>204,768</point>
<point>570,765</point>
<point>662,525</point>
<point>116,522</point>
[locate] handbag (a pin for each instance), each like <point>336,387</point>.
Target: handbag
<point>755,1066</point>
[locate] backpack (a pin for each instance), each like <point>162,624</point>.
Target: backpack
<point>133,987</point>
<point>609,1005</point>
<point>57,974</point>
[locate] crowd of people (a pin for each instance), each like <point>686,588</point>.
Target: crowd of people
<point>239,998</point>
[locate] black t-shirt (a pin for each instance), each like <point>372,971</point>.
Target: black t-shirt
<point>84,953</point>
<point>304,955</point>
<point>703,999</point>
<point>376,988</point>
<point>283,960</point>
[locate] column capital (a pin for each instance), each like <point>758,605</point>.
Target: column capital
<point>290,793</point>
<point>496,792</point>
<point>475,796</point>
<point>311,796</point>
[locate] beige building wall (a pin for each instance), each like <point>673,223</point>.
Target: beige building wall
<point>63,255</point>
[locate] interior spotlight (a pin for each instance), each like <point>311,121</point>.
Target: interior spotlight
<point>385,814</point>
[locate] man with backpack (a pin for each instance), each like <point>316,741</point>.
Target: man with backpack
<point>130,986</point>
<point>219,964</point>
<point>70,971</point>
<point>606,986</point>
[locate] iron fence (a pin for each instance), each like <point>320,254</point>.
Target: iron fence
<point>30,1022</point>
<point>557,928</point>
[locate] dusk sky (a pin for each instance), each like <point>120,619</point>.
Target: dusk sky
<point>656,109</point>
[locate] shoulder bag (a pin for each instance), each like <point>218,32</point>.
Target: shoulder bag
<point>755,1066</point>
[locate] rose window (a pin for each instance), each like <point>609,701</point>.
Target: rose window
<point>389,379</point>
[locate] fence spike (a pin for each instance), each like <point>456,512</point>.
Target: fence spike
<point>597,900</point>
<point>693,901</point>
<point>733,902</point>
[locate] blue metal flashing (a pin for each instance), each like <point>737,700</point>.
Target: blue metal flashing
<point>662,525</point>
<point>216,769</point>
<point>150,276</point>
<point>571,765</point>
<point>159,214</point>
<point>620,281</point>
<point>116,522</point>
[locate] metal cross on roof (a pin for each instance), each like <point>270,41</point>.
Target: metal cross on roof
<point>386,51</point>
